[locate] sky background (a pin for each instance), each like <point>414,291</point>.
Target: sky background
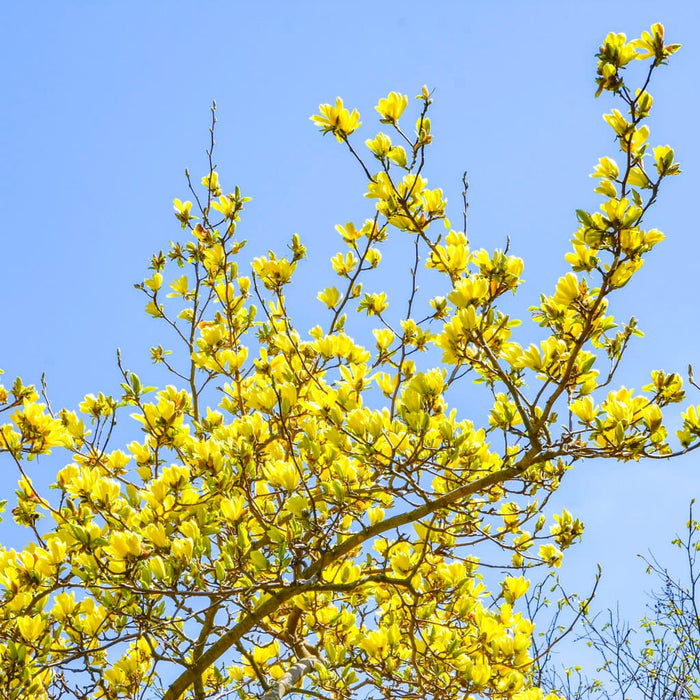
<point>106,103</point>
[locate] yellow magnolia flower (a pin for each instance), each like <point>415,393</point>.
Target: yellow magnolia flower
<point>380,145</point>
<point>284,474</point>
<point>606,167</point>
<point>272,271</point>
<point>584,409</point>
<point>384,337</point>
<point>329,296</point>
<point>183,549</point>
<point>38,429</point>
<point>550,555</point>
<point>123,545</point>
<point>392,107</point>
<point>620,125</point>
<point>343,265</point>
<point>337,120</point>
<point>349,232</point>
<point>233,508</point>
<point>182,211</point>
<point>651,44</point>
<point>156,533</point>
<point>663,156</point>
<point>262,654</point>
<point>480,674</point>
<point>469,290</point>
<point>31,627</point>
<point>568,289</point>
<point>228,206</point>
<point>374,304</point>
<point>157,566</point>
<point>211,182</point>
<point>64,605</point>
<point>375,515</point>
<point>374,643</point>
<point>515,587</point>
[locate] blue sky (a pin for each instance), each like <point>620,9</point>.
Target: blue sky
<point>106,103</point>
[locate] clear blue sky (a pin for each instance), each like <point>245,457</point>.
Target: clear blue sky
<point>105,104</point>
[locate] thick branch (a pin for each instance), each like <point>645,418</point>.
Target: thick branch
<point>312,572</point>
<point>291,678</point>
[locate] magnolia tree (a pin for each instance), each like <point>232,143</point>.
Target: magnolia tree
<point>308,514</point>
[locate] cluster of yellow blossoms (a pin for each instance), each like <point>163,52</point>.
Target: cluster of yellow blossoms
<point>303,500</point>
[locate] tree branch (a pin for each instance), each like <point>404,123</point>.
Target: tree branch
<point>309,576</point>
<point>291,678</point>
